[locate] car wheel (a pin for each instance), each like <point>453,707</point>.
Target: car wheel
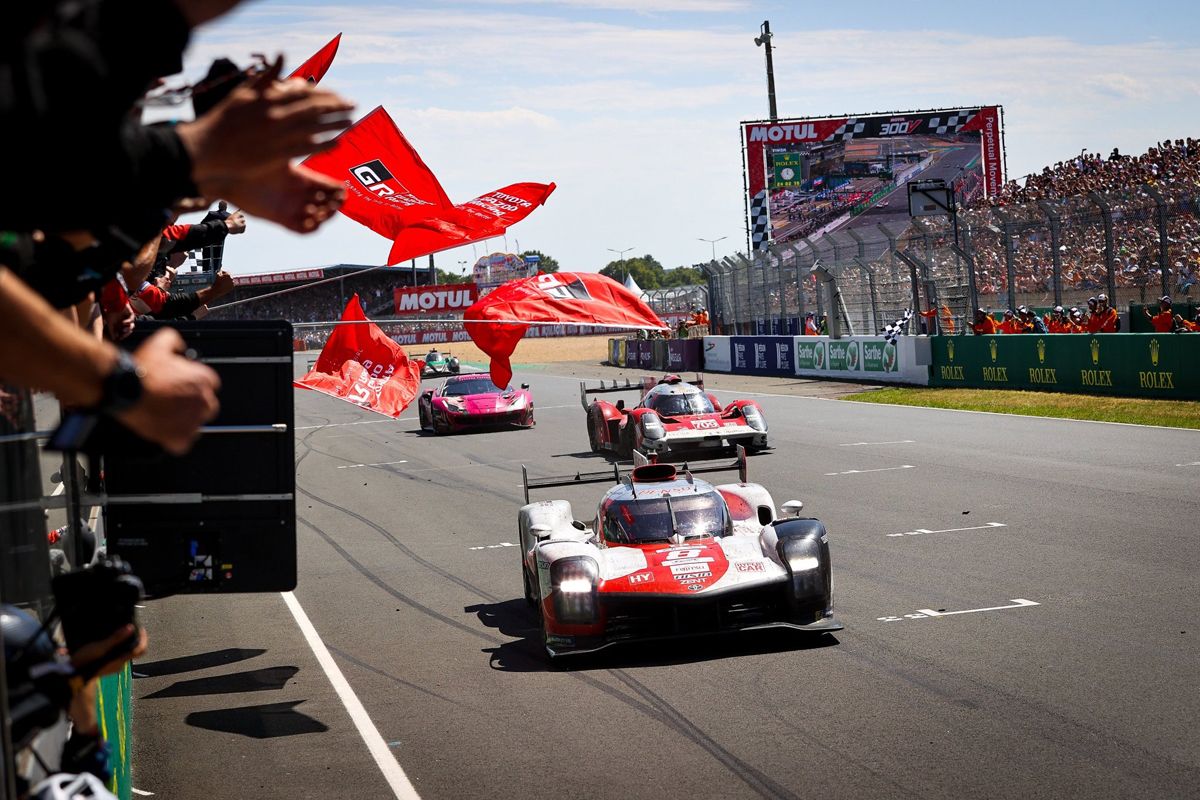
<point>626,448</point>
<point>423,416</point>
<point>440,425</point>
<point>593,436</point>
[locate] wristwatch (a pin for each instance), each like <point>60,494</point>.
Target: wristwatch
<point>123,386</point>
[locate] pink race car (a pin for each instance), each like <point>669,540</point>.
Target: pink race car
<point>467,402</point>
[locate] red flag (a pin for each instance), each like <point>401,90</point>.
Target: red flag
<point>315,68</point>
<point>390,190</point>
<point>582,297</point>
<point>361,365</point>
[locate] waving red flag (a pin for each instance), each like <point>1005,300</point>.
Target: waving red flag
<point>315,68</point>
<point>390,190</point>
<point>361,365</point>
<point>582,297</point>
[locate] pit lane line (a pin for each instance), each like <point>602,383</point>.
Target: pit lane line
<point>393,773</point>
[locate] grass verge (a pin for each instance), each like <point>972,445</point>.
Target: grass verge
<point>1166,413</point>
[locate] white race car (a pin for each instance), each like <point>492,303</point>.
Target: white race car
<point>671,555</point>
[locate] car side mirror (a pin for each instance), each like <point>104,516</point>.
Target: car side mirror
<point>792,509</point>
<point>620,405</point>
<point>524,385</point>
<point>766,515</point>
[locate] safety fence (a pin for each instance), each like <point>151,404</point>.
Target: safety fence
<point>1133,246</point>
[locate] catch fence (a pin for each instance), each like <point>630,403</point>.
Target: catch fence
<point>1133,246</point>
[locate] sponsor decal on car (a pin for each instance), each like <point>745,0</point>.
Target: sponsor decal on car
<point>641,577</point>
<point>749,566</point>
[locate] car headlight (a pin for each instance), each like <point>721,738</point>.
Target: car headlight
<point>454,404</point>
<point>574,583</point>
<point>517,402</point>
<point>652,427</point>
<point>754,418</point>
<point>802,555</point>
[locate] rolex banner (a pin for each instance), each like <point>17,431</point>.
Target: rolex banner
<point>1137,364</point>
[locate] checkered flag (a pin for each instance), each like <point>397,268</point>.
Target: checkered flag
<point>897,328</point>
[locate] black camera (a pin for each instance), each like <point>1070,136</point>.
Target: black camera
<point>95,602</point>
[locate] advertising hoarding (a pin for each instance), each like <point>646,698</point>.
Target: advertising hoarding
<point>811,176</point>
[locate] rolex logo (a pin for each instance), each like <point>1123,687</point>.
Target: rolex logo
<point>1041,348</point>
<point>1154,352</point>
<point>1095,352</point>
<point>992,348</point>
<point>950,349</point>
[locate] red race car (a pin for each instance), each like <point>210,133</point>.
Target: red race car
<point>673,416</point>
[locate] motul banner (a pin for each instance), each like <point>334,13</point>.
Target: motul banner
<point>361,365</point>
<point>390,190</point>
<point>441,299</point>
<point>315,68</point>
<point>581,297</point>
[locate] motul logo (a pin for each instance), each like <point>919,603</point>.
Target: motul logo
<point>434,299</point>
<point>800,132</point>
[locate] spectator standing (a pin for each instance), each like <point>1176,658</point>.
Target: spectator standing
<point>984,325</point>
<point>1164,320</point>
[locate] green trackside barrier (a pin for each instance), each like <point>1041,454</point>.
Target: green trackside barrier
<point>114,708</point>
<point>1138,323</point>
<point>1162,365</point>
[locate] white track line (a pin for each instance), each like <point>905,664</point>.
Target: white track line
<point>402,788</point>
<point>379,464</point>
<point>860,444</point>
<point>344,424</point>
<point>879,469</point>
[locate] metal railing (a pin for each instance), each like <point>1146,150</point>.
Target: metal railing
<point>1133,246</point>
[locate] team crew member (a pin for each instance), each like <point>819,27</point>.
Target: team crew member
<point>1164,320</point>
<point>1105,318</point>
<point>984,325</point>
<point>1010,324</point>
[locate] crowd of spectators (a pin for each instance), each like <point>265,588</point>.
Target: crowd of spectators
<point>79,269</point>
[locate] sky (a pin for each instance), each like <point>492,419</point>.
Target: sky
<point>632,106</point>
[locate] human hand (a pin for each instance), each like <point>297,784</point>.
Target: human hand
<point>89,660</point>
<point>178,395</point>
<point>222,285</point>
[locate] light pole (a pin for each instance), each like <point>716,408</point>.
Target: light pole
<point>463,265</point>
<point>764,39</point>
<point>621,253</point>
<point>713,242</point>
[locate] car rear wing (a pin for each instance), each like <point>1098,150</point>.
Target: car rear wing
<point>616,474</point>
<point>738,464</point>
<point>584,391</point>
<point>579,478</point>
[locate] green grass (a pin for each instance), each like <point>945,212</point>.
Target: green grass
<point>1166,413</point>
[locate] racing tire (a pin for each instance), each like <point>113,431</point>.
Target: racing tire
<point>625,448</point>
<point>423,416</point>
<point>439,426</point>
<point>593,436</point>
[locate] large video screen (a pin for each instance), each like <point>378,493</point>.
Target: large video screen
<point>808,177</point>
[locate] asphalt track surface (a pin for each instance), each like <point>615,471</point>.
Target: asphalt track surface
<point>1092,692</point>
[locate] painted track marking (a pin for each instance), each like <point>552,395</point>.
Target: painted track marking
<point>402,788</point>
<point>880,469</point>
<point>378,464</point>
<point>919,531</point>
<point>493,546</point>
<point>925,613</point>
<point>860,444</point>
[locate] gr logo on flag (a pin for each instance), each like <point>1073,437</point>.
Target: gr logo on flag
<point>552,285</point>
<point>372,176</point>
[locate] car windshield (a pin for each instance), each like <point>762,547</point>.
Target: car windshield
<point>648,519</point>
<point>481,385</point>
<point>674,405</point>
<point>434,355</point>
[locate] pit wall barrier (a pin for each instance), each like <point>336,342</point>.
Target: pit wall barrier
<point>114,711</point>
<point>1162,365</point>
<point>864,358</point>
